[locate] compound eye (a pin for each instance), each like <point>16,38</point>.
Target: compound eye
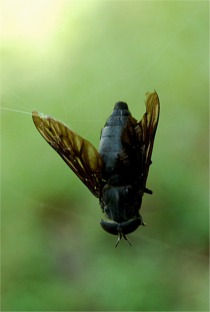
<point>123,228</point>
<point>130,226</point>
<point>110,227</point>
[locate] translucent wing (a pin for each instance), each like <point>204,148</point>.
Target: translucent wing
<point>146,130</point>
<point>79,154</point>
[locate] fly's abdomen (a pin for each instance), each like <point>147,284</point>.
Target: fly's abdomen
<point>111,143</point>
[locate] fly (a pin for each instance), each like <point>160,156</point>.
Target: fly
<point>118,171</point>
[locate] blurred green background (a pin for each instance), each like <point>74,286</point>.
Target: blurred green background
<point>74,60</point>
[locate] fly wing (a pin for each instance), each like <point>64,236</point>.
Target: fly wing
<point>146,130</point>
<point>79,154</point>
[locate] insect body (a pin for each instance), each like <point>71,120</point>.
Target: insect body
<point>117,173</point>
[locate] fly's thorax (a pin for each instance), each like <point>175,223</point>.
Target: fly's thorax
<point>120,202</point>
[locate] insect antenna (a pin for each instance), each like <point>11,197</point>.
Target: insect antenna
<point>119,239</point>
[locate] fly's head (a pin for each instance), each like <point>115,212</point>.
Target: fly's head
<point>120,205</point>
<point>122,229</point>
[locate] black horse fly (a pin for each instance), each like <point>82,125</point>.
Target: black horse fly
<point>117,173</point>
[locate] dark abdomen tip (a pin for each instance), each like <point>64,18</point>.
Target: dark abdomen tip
<point>121,105</point>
